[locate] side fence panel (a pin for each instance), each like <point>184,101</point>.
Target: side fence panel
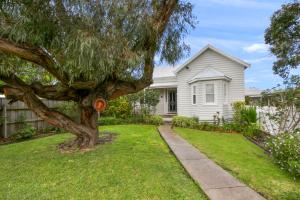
<point>15,115</point>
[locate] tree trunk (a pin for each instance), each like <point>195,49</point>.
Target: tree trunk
<point>88,118</point>
<point>86,131</point>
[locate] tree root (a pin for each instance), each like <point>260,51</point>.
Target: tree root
<point>84,143</point>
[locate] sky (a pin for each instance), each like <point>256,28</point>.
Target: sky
<point>237,27</point>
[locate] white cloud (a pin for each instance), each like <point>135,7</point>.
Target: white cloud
<point>259,60</point>
<point>252,80</point>
<point>257,47</point>
<point>198,42</point>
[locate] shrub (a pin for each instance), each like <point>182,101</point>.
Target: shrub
<point>248,115</point>
<point>244,120</point>
<point>51,129</point>
<point>154,120</point>
<point>285,150</point>
<point>28,131</point>
<point>110,121</point>
<point>70,109</point>
<point>118,108</point>
<point>237,106</point>
<point>136,119</point>
<point>231,127</point>
<point>185,122</point>
<point>252,130</point>
<point>205,126</point>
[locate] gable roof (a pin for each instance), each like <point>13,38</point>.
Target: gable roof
<point>209,74</point>
<point>162,72</point>
<point>245,64</point>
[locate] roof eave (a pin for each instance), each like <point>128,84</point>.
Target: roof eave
<point>210,78</point>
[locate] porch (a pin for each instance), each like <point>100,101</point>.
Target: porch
<point>167,106</point>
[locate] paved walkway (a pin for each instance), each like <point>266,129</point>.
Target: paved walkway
<point>217,183</point>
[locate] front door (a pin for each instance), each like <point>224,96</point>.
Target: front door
<point>172,101</point>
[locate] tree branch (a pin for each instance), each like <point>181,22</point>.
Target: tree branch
<point>160,20</point>
<point>34,55</point>
<point>52,92</point>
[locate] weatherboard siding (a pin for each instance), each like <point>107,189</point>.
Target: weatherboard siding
<point>160,107</point>
<point>217,61</point>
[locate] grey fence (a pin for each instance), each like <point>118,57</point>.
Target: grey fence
<point>13,117</point>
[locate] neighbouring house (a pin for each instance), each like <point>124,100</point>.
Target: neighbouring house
<point>253,96</point>
<point>204,85</point>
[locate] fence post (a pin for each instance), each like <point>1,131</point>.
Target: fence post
<point>4,118</point>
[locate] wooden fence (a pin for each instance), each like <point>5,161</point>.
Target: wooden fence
<point>13,117</point>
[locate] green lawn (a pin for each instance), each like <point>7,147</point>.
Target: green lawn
<point>245,161</point>
<point>137,165</point>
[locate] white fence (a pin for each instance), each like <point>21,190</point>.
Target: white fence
<point>272,126</point>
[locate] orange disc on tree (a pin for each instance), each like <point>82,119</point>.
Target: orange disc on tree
<point>99,104</point>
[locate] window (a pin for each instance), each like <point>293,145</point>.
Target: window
<point>194,95</point>
<point>210,93</point>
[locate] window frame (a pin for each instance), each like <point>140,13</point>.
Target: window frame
<point>194,94</point>
<point>214,94</point>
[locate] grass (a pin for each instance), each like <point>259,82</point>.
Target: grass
<point>245,161</point>
<point>137,165</point>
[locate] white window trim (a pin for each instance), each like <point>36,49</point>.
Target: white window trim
<point>192,92</point>
<point>226,87</point>
<point>215,93</point>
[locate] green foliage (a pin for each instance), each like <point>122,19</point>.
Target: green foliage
<point>237,106</point>
<point>244,120</point>
<point>285,150</point>
<point>122,110</point>
<point>102,121</point>
<point>118,108</point>
<point>193,122</point>
<point>135,119</point>
<point>94,40</point>
<point>245,124</point>
<point>51,129</point>
<point>283,37</point>
<point>252,130</point>
<point>124,107</point>
<point>248,115</point>
<point>186,122</point>
<point>230,127</point>
<point>147,100</point>
<point>70,109</point>
<point>245,161</point>
<point>26,132</point>
<point>205,126</point>
<point>154,120</point>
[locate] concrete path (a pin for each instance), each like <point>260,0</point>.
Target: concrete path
<point>217,183</point>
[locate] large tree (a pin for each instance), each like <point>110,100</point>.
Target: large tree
<point>283,36</point>
<point>86,49</point>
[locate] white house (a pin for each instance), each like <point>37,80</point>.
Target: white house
<point>205,84</point>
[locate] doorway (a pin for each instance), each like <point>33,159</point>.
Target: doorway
<point>172,101</point>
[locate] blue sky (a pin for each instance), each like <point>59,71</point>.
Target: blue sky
<point>237,27</point>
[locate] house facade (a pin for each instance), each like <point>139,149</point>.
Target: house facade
<point>207,83</point>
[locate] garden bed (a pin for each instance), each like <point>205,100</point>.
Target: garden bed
<point>246,161</point>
